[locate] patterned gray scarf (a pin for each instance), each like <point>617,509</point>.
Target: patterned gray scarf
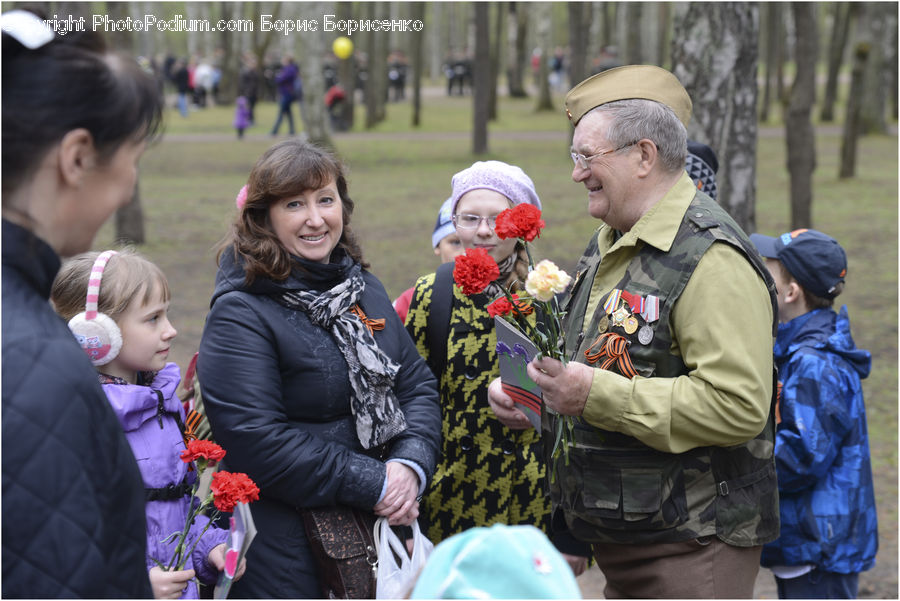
<point>374,405</point>
<point>495,288</point>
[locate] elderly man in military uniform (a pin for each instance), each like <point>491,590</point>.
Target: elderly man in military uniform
<point>669,327</point>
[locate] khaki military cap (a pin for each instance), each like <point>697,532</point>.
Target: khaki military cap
<point>631,81</point>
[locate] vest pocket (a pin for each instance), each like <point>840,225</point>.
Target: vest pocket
<point>747,508</point>
<point>629,491</point>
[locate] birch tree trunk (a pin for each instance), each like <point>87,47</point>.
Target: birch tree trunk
<point>714,55</point>
<point>376,82</point>
<point>579,31</point>
<point>780,51</point>
<point>313,113</point>
<point>772,30</point>
<point>852,127</point>
<point>609,12</point>
<point>231,57</point>
<point>542,17</point>
<point>595,32</point>
<point>664,15</point>
<point>496,52</point>
<point>417,11</point>
<point>130,217</point>
<point>633,19</point>
<point>891,62</point>
<point>801,139</point>
<point>481,78</point>
<point>192,11</point>
<point>882,19</point>
<point>437,30</point>
<point>517,55</point>
<point>839,31</point>
<point>347,70</point>
<point>260,41</point>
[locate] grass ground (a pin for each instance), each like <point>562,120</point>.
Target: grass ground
<point>399,177</point>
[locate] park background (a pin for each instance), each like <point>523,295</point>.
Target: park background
<point>799,100</point>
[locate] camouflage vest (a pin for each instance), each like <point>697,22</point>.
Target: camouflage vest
<point>617,489</point>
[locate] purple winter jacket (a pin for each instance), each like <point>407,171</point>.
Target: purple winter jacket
<point>158,451</point>
<point>286,79</point>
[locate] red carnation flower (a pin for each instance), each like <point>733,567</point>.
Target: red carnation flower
<point>202,449</point>
<point>522,221</point>
<point>229,489</point>
<point>474,270</point>
<point>503,307</point>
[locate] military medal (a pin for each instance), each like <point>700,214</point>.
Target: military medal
<point>603,324</point>
<point>645,335</point>
<point>631,324</point>
<point>650,313</point>
<point>612,301</point>
<point>619,316</point>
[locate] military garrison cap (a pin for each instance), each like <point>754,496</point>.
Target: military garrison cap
<point>631,81</point>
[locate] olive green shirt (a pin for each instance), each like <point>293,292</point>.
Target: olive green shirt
<point>721,328</point>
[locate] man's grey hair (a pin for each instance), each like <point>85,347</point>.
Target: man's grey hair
<point>635,119</point>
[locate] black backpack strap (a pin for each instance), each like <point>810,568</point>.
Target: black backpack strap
<point>438,324</point>
<point>171,492</point>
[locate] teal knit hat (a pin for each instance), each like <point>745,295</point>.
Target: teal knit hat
<point>500,562</point>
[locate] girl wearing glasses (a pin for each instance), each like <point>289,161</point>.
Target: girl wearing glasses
<point>487,473</point>
<point>76,119</point>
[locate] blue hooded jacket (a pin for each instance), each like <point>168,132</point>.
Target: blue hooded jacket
<point>822,448</point>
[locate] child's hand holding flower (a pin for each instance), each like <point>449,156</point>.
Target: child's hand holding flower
<point>227,490</point>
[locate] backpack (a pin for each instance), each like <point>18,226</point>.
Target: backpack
<point>437,328</point>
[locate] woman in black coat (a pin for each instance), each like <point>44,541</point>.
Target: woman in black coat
<point>293,307</point>
<point>76,118</point>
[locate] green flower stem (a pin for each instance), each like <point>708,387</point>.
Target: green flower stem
<point>212,518</point>
<point>179,558</point>
<point>528,252</point>
<point>550,346</point>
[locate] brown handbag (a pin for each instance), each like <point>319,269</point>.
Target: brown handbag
<point>342,544</point>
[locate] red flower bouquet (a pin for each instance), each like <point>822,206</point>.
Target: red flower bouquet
<point>476,269</point>
<point>226,491</point>
<point>522,221</point>
<point>230,489</point>
<point>202,450</point>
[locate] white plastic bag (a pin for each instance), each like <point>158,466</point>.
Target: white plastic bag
<point>396,581</point>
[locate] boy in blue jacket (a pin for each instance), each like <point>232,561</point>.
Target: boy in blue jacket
<point>829,530</point>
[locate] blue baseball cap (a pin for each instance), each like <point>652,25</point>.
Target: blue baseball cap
<point>814,259</point>
<point>443,227</point>
<point>499,562</point>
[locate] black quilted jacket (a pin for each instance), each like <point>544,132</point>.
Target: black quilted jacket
<point>73,500</point>
<point>276,392</point>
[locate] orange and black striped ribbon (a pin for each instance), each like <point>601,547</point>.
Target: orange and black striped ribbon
<point>190,426</point>
<point>372,324</point>
<point>612,348</point>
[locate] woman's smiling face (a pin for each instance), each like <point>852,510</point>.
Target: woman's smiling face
<point>309,225</point>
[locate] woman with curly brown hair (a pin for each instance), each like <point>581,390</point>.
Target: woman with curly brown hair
<point>309,380</point>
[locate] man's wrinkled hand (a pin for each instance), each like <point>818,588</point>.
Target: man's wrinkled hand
<point>565,387</point>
